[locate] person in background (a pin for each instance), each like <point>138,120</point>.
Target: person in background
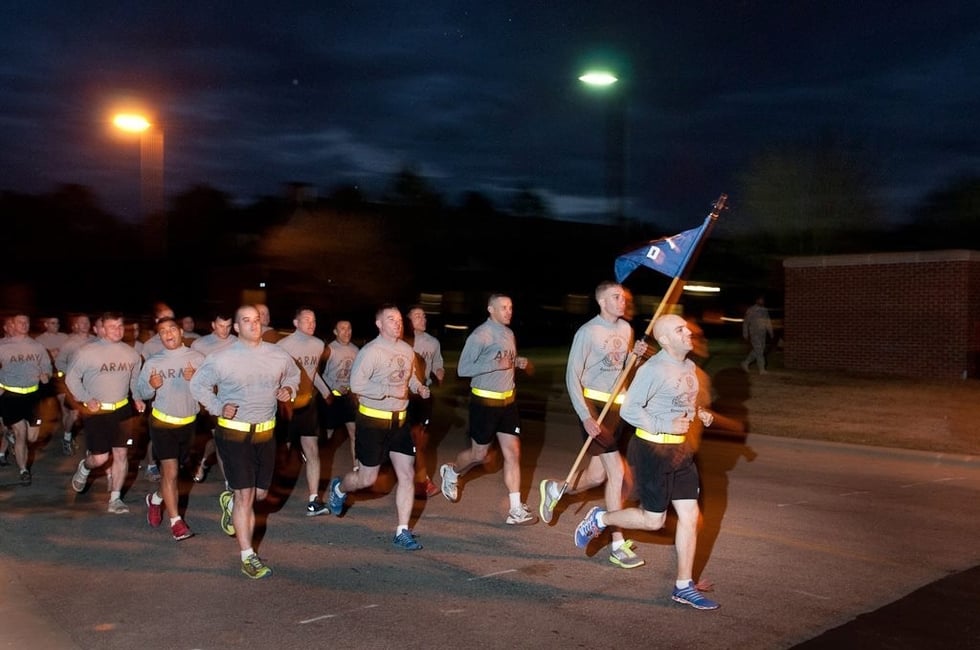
<point>101,377</point>
<point>432,370</point>
<point>757,330</point>
<point>382,377</point>
<point>303,428</point>
<point>220,337</point>
<point>25,366</point>
<point>339,405</point>
<point>489,358</point>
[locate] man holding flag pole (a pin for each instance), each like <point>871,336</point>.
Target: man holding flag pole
<point>598,352</point>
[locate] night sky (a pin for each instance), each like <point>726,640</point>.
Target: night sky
<point>484,96</point>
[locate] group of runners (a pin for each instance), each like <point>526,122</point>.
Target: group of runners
<point>246,381</point>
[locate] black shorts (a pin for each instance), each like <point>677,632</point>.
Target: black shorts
<point>303,423</point>
<point>375,439</point>
<point>171,441</point>
<point>246,464</point>
<point>615,431</point>
<point>15,407</point>
<point>339,411</point>
<point>419,410</point>
<point>487,421</point>
<point>660,475</point>
<point>105,431</point>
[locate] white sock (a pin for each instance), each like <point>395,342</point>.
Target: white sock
<point>156,499</point>
<point>515,500</point>
<point>398,531</point>
<point>683,584</point>
<point>600,519</point>
<point>82,469</point>
<point>115,494</point>
<point>174,520</point>
<point>313,496</point>
<point>246,553</point>
<point>616,545</point>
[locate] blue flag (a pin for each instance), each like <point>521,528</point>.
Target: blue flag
<point>668,255</point>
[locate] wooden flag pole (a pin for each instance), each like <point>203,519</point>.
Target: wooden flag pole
<point>670,298</point>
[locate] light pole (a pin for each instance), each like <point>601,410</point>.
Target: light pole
<point>151,179</point>
<point>603,80</point>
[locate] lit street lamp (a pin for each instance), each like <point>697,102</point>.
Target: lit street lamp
<point>603,80</point>
<point>151,178</point>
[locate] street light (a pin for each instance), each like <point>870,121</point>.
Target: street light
<point>603,80</point>
<point>151,177</point>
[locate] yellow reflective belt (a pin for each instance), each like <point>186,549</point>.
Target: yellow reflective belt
<point>381,415</point>
<point>492,394</point>
<point>599,396</point>
<point>660,438</point>
<point>113,406</point>
<point>337,392</point>
<point>19,390</point>
<point>245,426</point>
<point>172,419</point>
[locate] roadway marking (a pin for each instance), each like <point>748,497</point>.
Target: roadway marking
<point>326,616</point>
<point>490,575</point>
<point>938,480</point>
<point>807,593</point>
<point>854,493</point>
<point>795,503</point>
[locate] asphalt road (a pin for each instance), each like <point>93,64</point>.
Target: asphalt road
<point>802,540</point>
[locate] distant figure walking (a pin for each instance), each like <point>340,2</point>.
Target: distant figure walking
<point>756,327</point>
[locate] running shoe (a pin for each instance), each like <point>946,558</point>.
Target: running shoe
<point>625,557</point>
<point>449,480</point>
<point>224,500</point>
<point>79,481</point>
<point>68,446</point>
<point>3,459</point>
<point>690,595</point>
<point>588,527</point>
<point>154,512</point>
<point>521,516</point>
<point>316,507</point>
<point>117,507</point>
<point>407,541</point>
<point>201,474</point>
<point>550,493</point>
<point>180,530</point>
<point>25,476</point>
<point>253,567</point>
<point>152,473</point>
<point>335,500</point>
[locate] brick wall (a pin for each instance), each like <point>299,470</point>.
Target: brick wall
<point>913,314</point>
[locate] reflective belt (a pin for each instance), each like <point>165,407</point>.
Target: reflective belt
<point>492,394</point>
<point>113,406</point>
<point>60,373</point>
<point>19,390</point>
<point>337,392</point>
<point>599,396</point>
<point>245,426</point>
<point>660,438</point>
<point>381,415</point>
<point>172,419</point>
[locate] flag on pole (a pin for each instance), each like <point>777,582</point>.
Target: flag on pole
<point>668,255</point>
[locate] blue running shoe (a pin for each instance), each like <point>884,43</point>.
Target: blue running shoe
<point>407,541</point>
<point>589,527</point>
<point>335,501</point>
<point>690,595</point>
